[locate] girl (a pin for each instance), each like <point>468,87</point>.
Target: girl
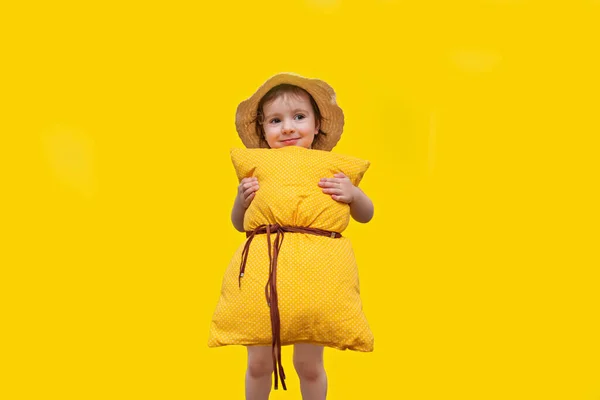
<point>284,113</point>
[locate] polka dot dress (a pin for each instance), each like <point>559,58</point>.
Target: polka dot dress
<point>317,277</point>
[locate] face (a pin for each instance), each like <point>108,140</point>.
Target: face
<point>289,120</point>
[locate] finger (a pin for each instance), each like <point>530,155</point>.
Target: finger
<point>333,191</point>
<point>249,199</point>
<point>250,190</point>
<point>341,199</point>
<point>249,184</point>
<point>329,183</point>
<point>340,175</point>
<point>249,180</point>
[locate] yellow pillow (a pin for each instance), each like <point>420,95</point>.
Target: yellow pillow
<point>317,277</point>
<point>289,193</point>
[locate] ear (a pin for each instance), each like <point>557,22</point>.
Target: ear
<point>317,128</point>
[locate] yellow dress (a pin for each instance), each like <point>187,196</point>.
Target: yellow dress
<point>317,281</point>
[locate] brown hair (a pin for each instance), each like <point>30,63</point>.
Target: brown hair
<point>275,92</point>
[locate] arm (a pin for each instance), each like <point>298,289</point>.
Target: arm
<point>361,206</point>
<point>246,192</point>
<point>237,215</point>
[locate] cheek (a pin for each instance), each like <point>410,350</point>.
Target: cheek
<point>268,132</point>
<point>271,137</point>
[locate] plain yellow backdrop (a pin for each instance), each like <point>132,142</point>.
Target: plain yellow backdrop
<point>479,272</point>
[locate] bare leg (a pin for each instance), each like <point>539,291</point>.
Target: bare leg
<point>308,361</point>
<point>258,374</point>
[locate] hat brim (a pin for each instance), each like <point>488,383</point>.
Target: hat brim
<point>332,116</point>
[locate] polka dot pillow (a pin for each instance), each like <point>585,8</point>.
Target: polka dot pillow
<point>289,194</point>
<point>317,281</point>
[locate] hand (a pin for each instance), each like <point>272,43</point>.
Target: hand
<point>246,191</point>
<point>339,187</point>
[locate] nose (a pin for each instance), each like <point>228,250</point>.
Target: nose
<point>287,126</point>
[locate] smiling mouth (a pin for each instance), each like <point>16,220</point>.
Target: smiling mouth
<point>289,140</point>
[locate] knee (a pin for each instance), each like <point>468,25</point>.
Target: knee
<point>260,368</point>
<point>309,371</point>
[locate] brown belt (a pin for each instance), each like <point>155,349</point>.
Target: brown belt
<point>271,287</point>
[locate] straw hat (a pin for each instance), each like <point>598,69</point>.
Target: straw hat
<point>332,116</point>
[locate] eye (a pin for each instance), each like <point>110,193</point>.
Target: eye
<point>274,121</point>
<point>300,116</point>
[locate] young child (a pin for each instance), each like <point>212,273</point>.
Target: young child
<point>286,114</point>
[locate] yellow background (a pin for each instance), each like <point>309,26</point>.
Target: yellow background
<point>479,272</point>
